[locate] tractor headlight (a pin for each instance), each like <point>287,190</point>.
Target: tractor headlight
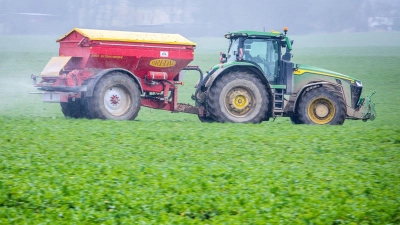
<point>358,83</point>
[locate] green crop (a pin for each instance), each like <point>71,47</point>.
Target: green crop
<point>167,168</point>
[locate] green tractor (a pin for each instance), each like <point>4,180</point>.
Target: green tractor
<point>256,81</point>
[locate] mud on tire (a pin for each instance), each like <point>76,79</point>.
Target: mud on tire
<point>205,118</point>
<point>238,97</point>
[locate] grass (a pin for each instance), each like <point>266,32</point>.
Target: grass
<point>166,168</point>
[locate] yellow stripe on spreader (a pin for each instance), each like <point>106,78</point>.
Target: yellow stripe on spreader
<point>126,36</point>
<point>301,72</point>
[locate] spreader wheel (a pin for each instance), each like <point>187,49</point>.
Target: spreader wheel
<point>116,97</point>
<point>238,97</point>
<point>322,105</point>
<point>75,109</point>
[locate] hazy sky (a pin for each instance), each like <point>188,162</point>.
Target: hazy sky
<point>198,17</point>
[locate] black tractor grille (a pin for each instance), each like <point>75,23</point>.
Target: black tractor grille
<point>355,95</point>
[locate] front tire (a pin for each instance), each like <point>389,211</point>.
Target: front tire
<point>116,96</point>
<point>238,97</point>
<point>322,105</point>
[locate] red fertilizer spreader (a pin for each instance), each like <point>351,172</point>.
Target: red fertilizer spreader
<point>110,74</point>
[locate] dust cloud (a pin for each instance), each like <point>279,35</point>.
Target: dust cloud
<point>21,56</point>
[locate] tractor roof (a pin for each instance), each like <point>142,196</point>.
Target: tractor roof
<point>127,36</point>
<point>256,34</point>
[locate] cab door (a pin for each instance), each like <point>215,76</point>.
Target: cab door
<point>264,53</point>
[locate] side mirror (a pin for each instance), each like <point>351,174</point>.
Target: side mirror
<point>283,44</point>
<point>297,67</point>
<point>223,58</point>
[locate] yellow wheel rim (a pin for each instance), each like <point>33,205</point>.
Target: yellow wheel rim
<point>321,110</point>
<point>239,101</point>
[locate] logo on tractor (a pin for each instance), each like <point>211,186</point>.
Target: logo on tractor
<point>162,63</point>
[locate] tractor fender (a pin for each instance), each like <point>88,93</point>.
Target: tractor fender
<point>243,67</point>
<point>323,83</point>
<point>91,84</point>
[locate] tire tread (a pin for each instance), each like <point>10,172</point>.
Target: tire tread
<point>340,116</point>
<point>215,91</point>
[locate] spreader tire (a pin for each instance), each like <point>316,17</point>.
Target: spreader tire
<point>322,105</point>
<point>238,97</point>
<point>75,109</point>
<point>116,96</point>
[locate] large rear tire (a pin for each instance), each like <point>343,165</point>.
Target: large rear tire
<point>238,97</point>
<point>75,109</point>
<point>206,119</point>
<point>116,96</point>
<point>322,105</point>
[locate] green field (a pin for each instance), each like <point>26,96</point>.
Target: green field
<point>167,168</point>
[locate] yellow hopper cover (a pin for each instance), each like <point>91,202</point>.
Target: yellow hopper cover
<point>54,66</point>
<point>126,36</point>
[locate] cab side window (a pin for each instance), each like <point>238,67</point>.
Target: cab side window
<point>263,52</point>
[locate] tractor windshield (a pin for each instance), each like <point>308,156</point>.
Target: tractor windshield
<point>233,50</point>
<point>265,53</point>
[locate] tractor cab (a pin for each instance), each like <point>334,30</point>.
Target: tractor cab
<point>266,51</point>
